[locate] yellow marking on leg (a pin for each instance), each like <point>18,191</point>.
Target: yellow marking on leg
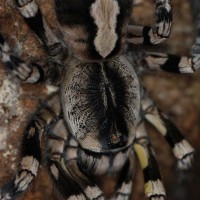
<point>142,155</point>
<point>154,188</point>
<point>148,188</point>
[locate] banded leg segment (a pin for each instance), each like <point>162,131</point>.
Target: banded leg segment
<point>124,185</point>
<point>182,150</point>
<point>153,35</point>
<point>31,157</point>
<point>31,150</point>
<point>154,188</point>
<point>31,13</point>
<point>70,182</point>
<point>175,63</point>
<point>29,73</point>
<point>172,63</point>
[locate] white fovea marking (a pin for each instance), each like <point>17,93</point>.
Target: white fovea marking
<point>105,14</point>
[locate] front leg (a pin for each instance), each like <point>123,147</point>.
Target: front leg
<point>159,32</point>
<point>69,180</point>
<point>31,13</point>
<point>174,63</point>
<point>29,72</point>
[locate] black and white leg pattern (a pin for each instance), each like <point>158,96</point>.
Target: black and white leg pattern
<point>29,73</point>
<point>182,150</point>
<point>69,181</point>
<point>153,187</point>
<point>175,63</point>
<point>31,150</point>
<point>124,185</point>
<point>31,13</point>
<point>159,32</point>
<point>32,72</point>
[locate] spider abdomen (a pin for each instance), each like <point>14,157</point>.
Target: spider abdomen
<point>101,103</point>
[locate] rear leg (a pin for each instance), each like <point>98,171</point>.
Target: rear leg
<point>124,185</point>
<point>29,73</point>
<point>154,188</point>
<point>182,150</point>
<point>69,181</point>
<point>31,149</point>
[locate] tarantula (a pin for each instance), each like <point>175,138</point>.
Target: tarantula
<point>94,117</point>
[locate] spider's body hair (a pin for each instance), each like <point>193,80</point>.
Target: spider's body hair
<point>107,96</point>
<point>92,121</point>
<point>94,30</point>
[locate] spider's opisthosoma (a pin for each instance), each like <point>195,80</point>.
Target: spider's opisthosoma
<point>93,119</point>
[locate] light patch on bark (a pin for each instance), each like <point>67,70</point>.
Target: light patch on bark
<point>105,14</point>
<point>9,107</point>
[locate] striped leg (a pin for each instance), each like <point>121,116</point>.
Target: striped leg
<point>29,73</point>
<point>31,151</point>
<point>124,186</point>
<point>174,63</point>
<point>182,150</point>
<point>159,33</point>
<point>31,13</point>
<point>154,188</point>
<point>69,181</point>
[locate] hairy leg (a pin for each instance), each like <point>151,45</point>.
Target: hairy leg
<point>124,185</point>
<point>174,63</point>
<point>154,188</point>
<point>31,13</point>
<point>68,179</point>
<point>31,149</point>
<point>28,72</point>
<point>182,150</point>
<point>159,32</point>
